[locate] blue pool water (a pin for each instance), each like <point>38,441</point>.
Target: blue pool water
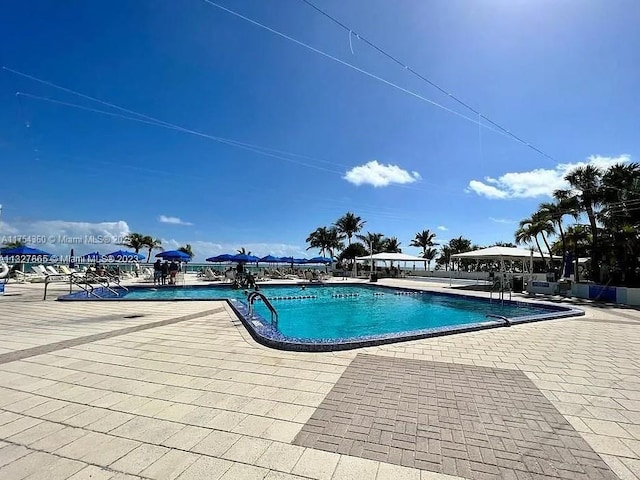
<point>339,312</point>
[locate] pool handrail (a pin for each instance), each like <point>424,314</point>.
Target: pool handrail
<point>251,298</point>
<point>507,322</point>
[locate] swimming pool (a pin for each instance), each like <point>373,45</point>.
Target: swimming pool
<point>327,317</point>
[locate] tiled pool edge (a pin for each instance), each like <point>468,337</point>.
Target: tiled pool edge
<point>265,334</point>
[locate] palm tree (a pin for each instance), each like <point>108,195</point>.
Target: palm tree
<point>445,256</point>
<point>242,251</point>
<point>577,238</point>
<point>585,190</point>
<point>152,244</point>
<point>530,228</point>
<point>348,225</point>
<point>392,245</point>
<point>325,239</point>
<point>186,249</point>
<point>555,211</point>
<point>429,254</point>
<point>424,240</point>
<point>135,241</point>
<point>459,245</point>
<point>373,241</point>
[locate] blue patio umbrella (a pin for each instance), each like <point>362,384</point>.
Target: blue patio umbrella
<point>270,259</point>
<point>25,254</point>
<point>324,260</point>
<point>23,251</point>
<point>243,257</point>
<point>123,256</point>
<point>175,255</point>
<point>225,257</point>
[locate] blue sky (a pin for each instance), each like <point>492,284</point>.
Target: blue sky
<point>563,76</point>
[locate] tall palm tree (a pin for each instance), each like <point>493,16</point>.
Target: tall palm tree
<point>348,225</point>
<point>392,245</point>
<point>373,241</point>
<point>152,244</point>
<point>325,239</point>
<point>530,228</point>
<point>445,256</point>
<point>555,211</point>
<point>424,240</point>
<point>578,238</point>
<point>186,249</point>
<point>429,254</point>
<point>459,245</point>
<point>333,241</point>
<point>135,241</point>
<point>585,189</point>
<point>242,251</point>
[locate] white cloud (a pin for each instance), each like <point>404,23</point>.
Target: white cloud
<point>172,220</point>
<point>60,236</point>
<point>501,220</point>
<point>538,182</point>
<point>442,227</point>
<point>380,175</point>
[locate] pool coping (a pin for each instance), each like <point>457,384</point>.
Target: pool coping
<point>263,332</point>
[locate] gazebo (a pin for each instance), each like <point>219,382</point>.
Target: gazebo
<point>503,253</point>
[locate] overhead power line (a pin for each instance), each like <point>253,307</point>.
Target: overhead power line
<point>425,79</point>
<point>356,68</point>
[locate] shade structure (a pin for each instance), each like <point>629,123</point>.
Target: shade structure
<point>270,259</point>
<point>323,260</point>
<point>175,255</point>
<point>23,251</point>
<point>122,256</point>
<point>243,257</point>
<point>496,253</point>
<point>225,257</point>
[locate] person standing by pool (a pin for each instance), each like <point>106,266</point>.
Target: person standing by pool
<point>173,272</point>
<point>164,270</point>
<point>157,272</point>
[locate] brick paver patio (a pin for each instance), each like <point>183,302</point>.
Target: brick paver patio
<point>475,422</point>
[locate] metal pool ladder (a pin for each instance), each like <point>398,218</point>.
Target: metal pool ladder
<point>251,298</point>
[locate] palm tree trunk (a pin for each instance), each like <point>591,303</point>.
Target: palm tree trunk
<point>595,247</point>
<point>539,249</point>
<point>564,245</point>
<point>544,239</point>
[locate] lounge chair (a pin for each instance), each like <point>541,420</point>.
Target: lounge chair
<point>209,274</point>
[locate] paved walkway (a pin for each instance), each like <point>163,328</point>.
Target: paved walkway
<point>184,392</point>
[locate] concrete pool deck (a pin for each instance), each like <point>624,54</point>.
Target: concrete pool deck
<point>166,390</point>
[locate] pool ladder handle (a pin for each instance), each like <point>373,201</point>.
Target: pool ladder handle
<point>507,322</point>
<point>251,298</point>
<point>502,286</point>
